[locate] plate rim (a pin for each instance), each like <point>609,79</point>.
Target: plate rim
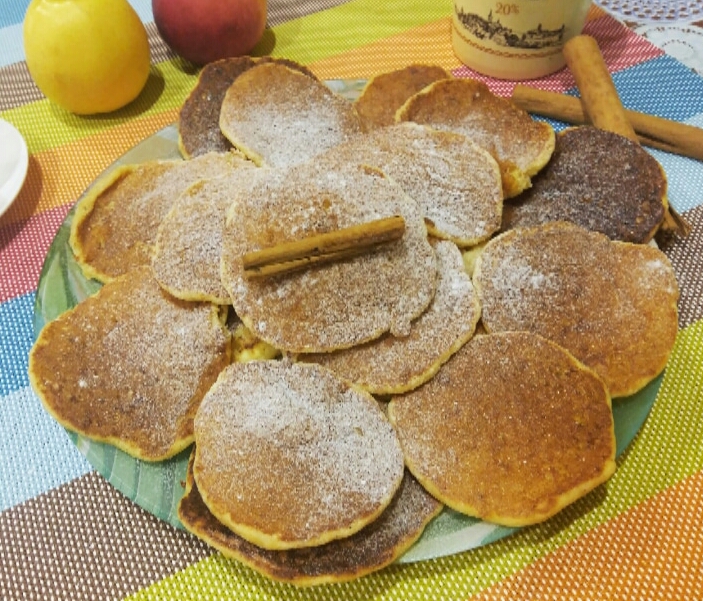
<point>10,189</point>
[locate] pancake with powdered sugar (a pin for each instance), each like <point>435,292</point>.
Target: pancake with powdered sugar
<point>199,118</point>
<point>521,145</point>
<point>385,93</point>
<point>288,455</point>
<point>372,548</point>
<point>115,224</point>
<point>188,243</point>
<point>300,120</point>
<point>511,430</point>
<point>456,182</point>
<point>336,305</point>
<point>612,304</point>
<point>390,364</point>
<point>130,365</point>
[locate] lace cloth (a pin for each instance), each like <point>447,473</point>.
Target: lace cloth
<point>675,26</point>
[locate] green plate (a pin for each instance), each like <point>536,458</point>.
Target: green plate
<point>158,487</point>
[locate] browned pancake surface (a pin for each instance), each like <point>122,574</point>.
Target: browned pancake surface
<point>279,117</point>
<point>391,364</point>
<point>385,93</point>
<point>612,304</point>
<point>456,183</point>
<point>115,225</point>
<point>512,429</point>
<point>130,366</point>
<point>340,304</point>
<point>372,548</point>
<point>288,455</point>
<point>521,145</point>
<point>199,117</point>
<point>598,180</point>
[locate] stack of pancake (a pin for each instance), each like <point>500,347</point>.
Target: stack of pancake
<point>334,410</point>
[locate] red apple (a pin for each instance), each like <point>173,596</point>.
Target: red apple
<point>203,31</point>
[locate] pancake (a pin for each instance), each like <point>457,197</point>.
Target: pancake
<point>612,304</point>
<point>335,305</point>
<point>598,180</point>
<point>377,545</point>
<point>130,365</point>
<point>391,365</point>
<point>385,93</point>
<point>456,183</point>
<point>279,117</point>
<point>521,145</point>
<point>199,117</point>
<point>115,224</point>
<point>188,244</point>
<point>511,430</point>
<point>288,455</point>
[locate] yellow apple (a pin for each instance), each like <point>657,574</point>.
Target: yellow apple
<point>87,56</point>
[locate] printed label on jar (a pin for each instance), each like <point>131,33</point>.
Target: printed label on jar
<point>529,34</point>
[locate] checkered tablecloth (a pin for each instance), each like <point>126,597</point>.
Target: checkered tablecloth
<point>65,533</point>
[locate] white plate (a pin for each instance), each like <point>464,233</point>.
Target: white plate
<point>14,161</point>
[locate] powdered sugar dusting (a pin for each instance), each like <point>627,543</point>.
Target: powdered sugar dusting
<point>391,365</point>
<point>189,241</point>
<point>494,123</point>
<point>322,450</point>
<point>612,304</point>
<point>456,183</point>
<point>281,134</point>
<point>131,365</point>
<point>335,305</point>
<point>120,231</point>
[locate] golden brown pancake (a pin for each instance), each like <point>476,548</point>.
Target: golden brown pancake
<point>391,365</point>
<point>199,117</point>
<point>385,93</point>
<point>612,304</point>
<point>288,455</point>
<point>456,183</point>
<point>189,241</point>
<point>130,365</point>
<point>511,430</point>
<point>115,224</point>
<point>290,125</point>
<point>335,305</point>
<point>377,545</point>
<point>521,145</point>
<point>598,180</point>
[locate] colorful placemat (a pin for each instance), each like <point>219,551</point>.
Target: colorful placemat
<point>65,533</point>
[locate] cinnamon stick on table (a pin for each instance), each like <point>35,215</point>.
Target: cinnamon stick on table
<point>602,103</point>
<point>655,132</point>
<point>598,93</point>
<point>323,248</point>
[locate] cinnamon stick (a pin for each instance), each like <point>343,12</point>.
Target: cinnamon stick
<point>322,248</point>
<point>598,93</point>
<point>603,106</point>
<point>652,131</point>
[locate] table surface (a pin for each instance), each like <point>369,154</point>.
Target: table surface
<point>66,533</point>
